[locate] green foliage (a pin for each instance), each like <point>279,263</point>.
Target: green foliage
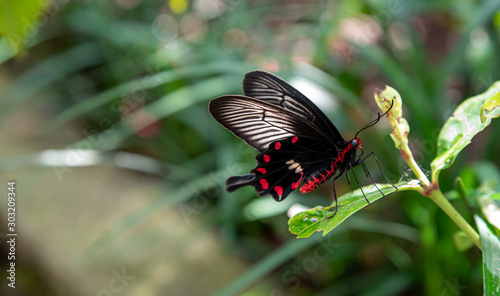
<point>491,249</point>
<point>467,120</point>
<point>305,223</point>
<point>19,22</point>
<point>131,80</point>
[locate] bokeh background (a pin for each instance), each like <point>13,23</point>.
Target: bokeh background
<point>119,167</point>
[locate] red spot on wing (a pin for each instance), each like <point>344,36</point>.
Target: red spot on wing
<point>267,158</point>
<point>295,185</point>
<point>295,139</point>
<point>262,170</point>
<point>264,184</point>
<point>277,145</point>
<point>279,190</point>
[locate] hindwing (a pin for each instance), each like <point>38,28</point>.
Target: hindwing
<point>284,165</point>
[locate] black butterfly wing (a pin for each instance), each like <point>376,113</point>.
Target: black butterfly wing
<point>270,88</point>
<point>260,123</point>
<point>298,143</point>
<point>285,164</point>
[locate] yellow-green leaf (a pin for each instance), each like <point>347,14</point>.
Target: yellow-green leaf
<point>21,19</point>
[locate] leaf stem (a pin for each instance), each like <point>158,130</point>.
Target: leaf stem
<point>432,191</point>
<point>437,196</point>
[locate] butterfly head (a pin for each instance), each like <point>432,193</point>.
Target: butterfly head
<point>356,143</point>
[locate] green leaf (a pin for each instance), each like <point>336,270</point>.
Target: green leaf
<point>305,223</point>
<point>490,108</point>
<point>491,263</point>
<point>490,207</point>
<point>20,20</point>
<point>459,130</point>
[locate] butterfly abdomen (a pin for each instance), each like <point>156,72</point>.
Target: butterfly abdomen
<point>343,160</point>
<point>318,177</point>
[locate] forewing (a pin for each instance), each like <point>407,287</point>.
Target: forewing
<point>270,88</point>
<point>260,123</point>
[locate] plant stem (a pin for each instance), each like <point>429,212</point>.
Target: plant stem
<point>414,166</point>
<point>432,191</point>
<point>400,130</point>
<point>437,196</point>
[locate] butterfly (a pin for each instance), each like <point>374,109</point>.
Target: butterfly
<point>299,146</point>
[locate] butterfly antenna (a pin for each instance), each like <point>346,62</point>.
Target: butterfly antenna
<point>373,122</point>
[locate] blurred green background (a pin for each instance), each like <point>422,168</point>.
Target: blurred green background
<point>120,169</point>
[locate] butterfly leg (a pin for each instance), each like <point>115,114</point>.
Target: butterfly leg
<point>349,180</point>
<point>362,161</point>
<point>367,173</point>
<point>370,176</point>
<point>360,188</point>
<point>334,197</point>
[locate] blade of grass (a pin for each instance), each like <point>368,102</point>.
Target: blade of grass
<point>47,72</point>
<point>491,264</point>
<point>143,83</point>
<point>278,257</point>
<point>174,102</point>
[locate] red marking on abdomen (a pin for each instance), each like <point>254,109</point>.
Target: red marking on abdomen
<point>267,158</point>
<point>279,190</point>
<point>277,145</point>
<point>261,170</point>
<point>295,139</point>
<point>313,183</point>
<point>264,184</point>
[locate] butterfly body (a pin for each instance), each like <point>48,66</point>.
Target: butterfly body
<point>341,162</point>
<point>298,144</point>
